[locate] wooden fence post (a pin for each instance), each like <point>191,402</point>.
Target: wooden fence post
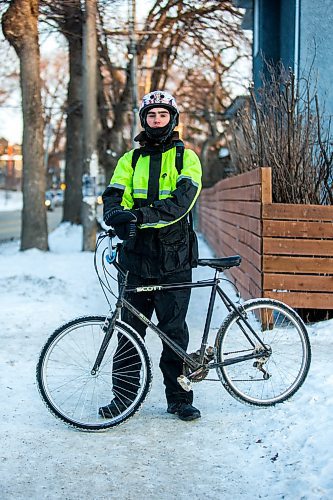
<point>266,185</point>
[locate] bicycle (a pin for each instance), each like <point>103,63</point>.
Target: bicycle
<point>261,353</point>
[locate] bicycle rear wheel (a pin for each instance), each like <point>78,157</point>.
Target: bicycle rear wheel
<point>271,379</point>
<point>66,383</point>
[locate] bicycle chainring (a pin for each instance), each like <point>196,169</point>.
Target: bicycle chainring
<point>201,373</point>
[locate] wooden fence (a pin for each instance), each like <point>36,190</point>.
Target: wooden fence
<point>287,250</point>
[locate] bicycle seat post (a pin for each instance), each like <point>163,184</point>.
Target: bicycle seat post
<point>209,315</point>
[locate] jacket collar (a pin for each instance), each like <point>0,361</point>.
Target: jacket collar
<point>143,139</point>
<point>148,148</point>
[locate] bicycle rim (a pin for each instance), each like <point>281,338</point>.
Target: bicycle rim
<point>67,385</point>
<point>268,380</point>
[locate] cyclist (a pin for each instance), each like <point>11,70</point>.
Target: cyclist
<point>147,202</point>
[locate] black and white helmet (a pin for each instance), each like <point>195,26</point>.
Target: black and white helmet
<point>160,99</point>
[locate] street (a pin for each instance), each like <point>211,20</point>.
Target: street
<point>10,223</point>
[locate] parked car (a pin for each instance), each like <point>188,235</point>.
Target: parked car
<point>50,201</point>
<point>59,197</point>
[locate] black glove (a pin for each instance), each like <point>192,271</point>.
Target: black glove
<point>117,216</point>
<point>109,215</point>
<point>126,230</point>
<point>123,221</point>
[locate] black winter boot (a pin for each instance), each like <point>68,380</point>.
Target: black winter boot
<point>185,411</point>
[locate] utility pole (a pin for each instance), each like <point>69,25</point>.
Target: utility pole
<point>90,167</point>
<point>133,69</point>
<point>133,33</point>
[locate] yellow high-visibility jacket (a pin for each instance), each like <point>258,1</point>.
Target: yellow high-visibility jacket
<point>164,197</point>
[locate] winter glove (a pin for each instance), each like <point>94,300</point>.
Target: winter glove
<point>109,215</point>
<point>117,215</point>
<point>125,231</point>
<point>123,221</point>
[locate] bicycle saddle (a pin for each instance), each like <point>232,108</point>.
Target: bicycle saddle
<point>221,263</point>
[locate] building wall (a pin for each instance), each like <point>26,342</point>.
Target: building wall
<point>316,40</point>
<point>267,32</point>
<point>300,34</point>
<point>287,32</point>
<point>274,32</point>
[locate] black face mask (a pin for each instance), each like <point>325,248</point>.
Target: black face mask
<point>160,134</point>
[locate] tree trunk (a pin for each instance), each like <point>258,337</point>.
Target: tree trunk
<point>20,27</point>
<point>74,123</point>
<point>90,165</point>
<point>116,135</point>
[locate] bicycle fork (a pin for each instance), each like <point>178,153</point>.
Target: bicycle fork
<point>108,327</point>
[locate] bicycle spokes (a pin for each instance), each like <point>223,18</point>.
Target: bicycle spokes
<point>270,374</point>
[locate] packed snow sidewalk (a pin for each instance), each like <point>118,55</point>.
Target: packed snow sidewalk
<point>233,451</point>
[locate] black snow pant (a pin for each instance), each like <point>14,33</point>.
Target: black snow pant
<point>171,308</point>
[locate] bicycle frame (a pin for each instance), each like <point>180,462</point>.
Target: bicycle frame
<point>188,360</point>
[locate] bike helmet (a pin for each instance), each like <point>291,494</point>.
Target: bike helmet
<point>159,99</point>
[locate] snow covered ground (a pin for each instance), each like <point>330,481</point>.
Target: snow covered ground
<point>10,200</point>
<point>232,452</point>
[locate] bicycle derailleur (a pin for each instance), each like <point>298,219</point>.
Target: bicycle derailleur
<point>260,362</point>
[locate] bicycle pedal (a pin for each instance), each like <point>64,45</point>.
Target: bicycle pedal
<point>184,383</point>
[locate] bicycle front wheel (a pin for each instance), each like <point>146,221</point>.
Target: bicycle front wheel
<point>73,393</point>
<point>271,378</point>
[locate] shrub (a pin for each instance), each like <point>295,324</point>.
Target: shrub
<point>283,128</point>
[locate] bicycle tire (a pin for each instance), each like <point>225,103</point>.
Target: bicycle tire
<point>282,329</point>
<point>66,385</point>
